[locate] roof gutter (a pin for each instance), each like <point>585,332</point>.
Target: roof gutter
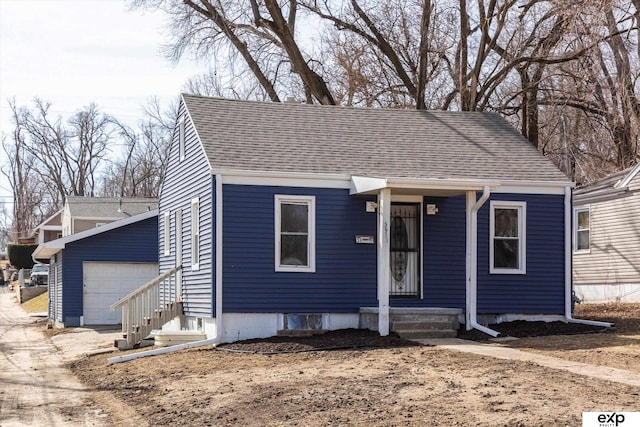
<point>473,207</point>
<point>568,287</point>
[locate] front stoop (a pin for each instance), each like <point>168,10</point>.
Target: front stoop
<point>416,323</point>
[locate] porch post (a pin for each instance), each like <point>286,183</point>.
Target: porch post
<point>471,253</point>
<point>384,252</point>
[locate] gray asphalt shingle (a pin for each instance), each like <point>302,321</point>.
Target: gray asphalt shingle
<point>107,207</point>
<point>384,143</point>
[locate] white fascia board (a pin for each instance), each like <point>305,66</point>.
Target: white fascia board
<point>51,227</point>
<point>42,224</point>
<point>627,179</point>
<point>284,179</point>
<point>442,184</point>
<point>61,242</point>
<point>45,251</point>
<point>366,184</point>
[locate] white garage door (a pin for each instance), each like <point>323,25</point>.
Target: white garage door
<point>105,283</point>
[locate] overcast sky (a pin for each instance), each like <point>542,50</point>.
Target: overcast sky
<point>74,52</point>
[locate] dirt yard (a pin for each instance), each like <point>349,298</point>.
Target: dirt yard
<point>394,384</point>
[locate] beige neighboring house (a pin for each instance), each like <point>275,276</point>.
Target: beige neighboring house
<point>50,229</point>
<point>606,238</point>
<point>84,213</point>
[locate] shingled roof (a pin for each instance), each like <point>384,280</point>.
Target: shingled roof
<point>107,207</point>
<point>383,143</point>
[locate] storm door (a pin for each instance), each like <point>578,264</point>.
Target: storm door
<point>405,250</point>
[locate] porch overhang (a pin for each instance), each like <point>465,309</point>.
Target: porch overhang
<point>365,185</point>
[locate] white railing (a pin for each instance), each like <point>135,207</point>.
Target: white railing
<point>150,306</point>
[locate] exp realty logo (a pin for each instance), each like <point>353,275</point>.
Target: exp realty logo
<point>610,419</point>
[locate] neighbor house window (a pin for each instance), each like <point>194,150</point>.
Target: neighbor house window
<point>295,233</point>
<point>167,231</point>
<point>507,231</point>
<point>181,137</point>
<point>582,230</point>
<point>195,233</point>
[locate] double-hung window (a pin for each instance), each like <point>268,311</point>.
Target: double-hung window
<point>295,233</point>
<point>582,230</point>
<point>195,233</point>
<point>507,231</point>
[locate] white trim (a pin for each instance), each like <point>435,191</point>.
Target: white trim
<point>219,258</point>
<point>574,230</point>
<point>371,185</point>
<point>366,184</point>
<point>50,228</point>
<point>310,202</point>
<point>46,250</point>
<point>627,180</point>
<point>287,179</point>
<point>406,199</point>
<point>538,184</point>
<point>42,226</point>
<point>195,233</point>
<point>524,189</point>
<point>384,254</point>
<point>522,236</point>
<point>181,138</point>
<point>167,233</point>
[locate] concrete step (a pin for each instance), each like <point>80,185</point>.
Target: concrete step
<point>423,326</point>
<point>426,334</point>
<point>417,317</point>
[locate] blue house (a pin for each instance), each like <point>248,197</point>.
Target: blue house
<point>92,269</point>
<point>293,216</point>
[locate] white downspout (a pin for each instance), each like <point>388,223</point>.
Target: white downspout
<point>568,288</point>
<point>473,207</point>
<point>218,309</point>
<point>384,253</point>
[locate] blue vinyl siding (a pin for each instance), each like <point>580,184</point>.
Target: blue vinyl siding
<point>345,277</point>
<point>542,288</point>
<point>444,252</point>
<point>185,180</point>
<point>132,243</point>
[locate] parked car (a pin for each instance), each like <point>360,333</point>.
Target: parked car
<point>39,275</point>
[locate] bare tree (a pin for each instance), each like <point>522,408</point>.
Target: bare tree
<point>28,197</point>
<point>535,62</point>
<point>141,171</point>
<point>70,156</point>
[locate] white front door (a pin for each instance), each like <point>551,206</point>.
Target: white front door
<point>405,250</point>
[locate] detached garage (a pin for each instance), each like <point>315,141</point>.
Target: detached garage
<point>91,270</point>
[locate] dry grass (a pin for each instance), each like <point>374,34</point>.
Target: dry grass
<point>37,304</point>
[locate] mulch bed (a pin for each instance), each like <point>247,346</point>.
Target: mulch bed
<point>525,329</point>
<point>364,338</point>
<point>332,340</point>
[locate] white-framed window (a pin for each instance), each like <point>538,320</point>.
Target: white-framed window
<point>181,136</point>
<point>582,229</point>
<point>295,233</point>
<point>195,233</point>
<point>508,243</point>
<point>167,232</point>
